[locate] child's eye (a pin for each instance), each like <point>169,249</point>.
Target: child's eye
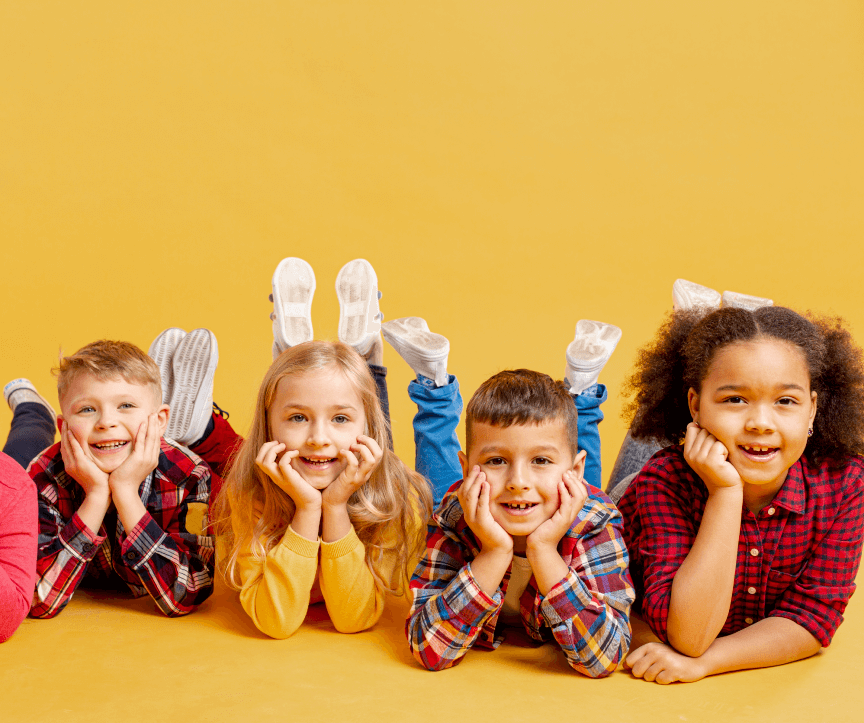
<point>542,460</point>
<point>341,419</point>
<point>297,418</point>
<point>734,400</point>
<point>84,410</point>
<point>495,461</point>
<point>787,401</point>
<point>127,405</point>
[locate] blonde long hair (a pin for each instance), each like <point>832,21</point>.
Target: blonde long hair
<point>252,513</point>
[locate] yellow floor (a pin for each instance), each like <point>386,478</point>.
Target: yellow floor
<point>106,657</point>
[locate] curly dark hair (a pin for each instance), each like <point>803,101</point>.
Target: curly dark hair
<point>687,342</point>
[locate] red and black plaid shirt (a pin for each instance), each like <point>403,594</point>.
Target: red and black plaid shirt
<point>797,558</point>
<point>166,554</point>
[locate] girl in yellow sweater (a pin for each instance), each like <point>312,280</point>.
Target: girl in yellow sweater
<point>316,506</point>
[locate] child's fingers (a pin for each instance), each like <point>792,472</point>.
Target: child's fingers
<point>366,457</point>
<point>352,465</point>
<point>368,443</point>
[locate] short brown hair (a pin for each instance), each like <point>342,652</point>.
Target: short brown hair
<point>106,359</point>
<point>522,396</point>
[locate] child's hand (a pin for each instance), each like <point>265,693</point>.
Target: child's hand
<point>474,497</point>
<point>81,466</point>
<point>659,663</point>
<point>285,477</point>
<point>142,460</point>
<point>360,461</point>
<point>709,458</point>
<point>571,496</point>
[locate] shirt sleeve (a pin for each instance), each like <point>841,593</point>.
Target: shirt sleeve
<point>589,610</point>
<point>274,591</point>
<point>66,547</point>
<point>449,608</point>
<point>667,535</point>
<point>18,514</point>
<point>817,598</point>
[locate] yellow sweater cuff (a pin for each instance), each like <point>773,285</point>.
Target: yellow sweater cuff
<point>332,550</point>
<point>299,544</point>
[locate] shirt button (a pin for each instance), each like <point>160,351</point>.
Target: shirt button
<point>754,552</point>
<point>131,555</point>
<point>751,590</point>
<point>86,547</point>
<point>771,510</point>
<point>749,621</point>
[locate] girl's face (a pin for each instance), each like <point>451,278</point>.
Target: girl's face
<point>319,413</point>
<point>756,400</point>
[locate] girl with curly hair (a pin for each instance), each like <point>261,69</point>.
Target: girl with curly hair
<point>745,537</point>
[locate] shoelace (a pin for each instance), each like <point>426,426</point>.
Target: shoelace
<point>221,412</point>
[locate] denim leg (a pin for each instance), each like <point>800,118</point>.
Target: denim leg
<point>379,374</point>
<point>435,440</point>
<point>588,406</point>
<point>32,431</point>
<point>631,458</point>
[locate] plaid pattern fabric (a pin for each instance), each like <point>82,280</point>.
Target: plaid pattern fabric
<point>797,558</point>
<point>587,613</point>
<point>164,556</point>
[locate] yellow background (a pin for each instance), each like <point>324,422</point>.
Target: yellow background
<point>507,167</point>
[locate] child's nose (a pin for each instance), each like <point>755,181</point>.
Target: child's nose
<point>760,418</point>
<point>318,435</point>
<point>106,420</point>
<point>518,478</point>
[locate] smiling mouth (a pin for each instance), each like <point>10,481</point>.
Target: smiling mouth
<point>109,446</point>
<point>318,462</point>
<point>759,452</point>
<point>519,506</point>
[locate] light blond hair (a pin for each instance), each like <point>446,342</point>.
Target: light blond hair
<point>106,359</point>
<point>388,513</point>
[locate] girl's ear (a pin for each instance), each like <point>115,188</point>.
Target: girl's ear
<point>813,410</point>
<point>693,403</point>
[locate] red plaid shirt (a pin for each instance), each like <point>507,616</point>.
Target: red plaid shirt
<point>797,558</point>
<point>587,612</point>
<point>160,556</point>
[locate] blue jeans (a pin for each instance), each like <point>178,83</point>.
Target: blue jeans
<point>31,432</point>
<point>437,446</point>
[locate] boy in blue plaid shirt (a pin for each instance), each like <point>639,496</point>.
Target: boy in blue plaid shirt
<point>523,540</point>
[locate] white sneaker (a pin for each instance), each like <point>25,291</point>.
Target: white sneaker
<point>22,391</point>
<point>732,299</point>
<point>194,365</point>
<point>689,295</point>
<point>588,353</point>
<point>359,314</point>
<point>425,352</point>
<point>293,289</point>
<point>161,351</point>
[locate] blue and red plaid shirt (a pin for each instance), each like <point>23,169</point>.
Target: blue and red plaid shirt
<point>797,558</point>
<point>166,555</point>
<point>587,612</point>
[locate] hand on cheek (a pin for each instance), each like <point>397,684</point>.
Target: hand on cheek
<point>709,458</point>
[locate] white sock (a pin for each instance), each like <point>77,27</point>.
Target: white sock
<point>425,352</point>
<point>588,353</point>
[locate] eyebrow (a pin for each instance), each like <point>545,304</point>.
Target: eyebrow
<point>490,448</point>
<point>337,408</point>
<point>741,387</point>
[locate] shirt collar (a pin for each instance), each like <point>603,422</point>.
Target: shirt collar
<point>792,495</point>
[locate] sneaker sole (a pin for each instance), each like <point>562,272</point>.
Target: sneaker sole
<point>589,353</point>
<point>357,291</point>
<point>194,365</point>
<point>161,351</point>
<point>293,288</point>
<point>409,332</point>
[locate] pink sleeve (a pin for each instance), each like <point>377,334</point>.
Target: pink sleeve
<point>18,535</point>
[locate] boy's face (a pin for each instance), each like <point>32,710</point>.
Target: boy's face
<point>523,464</point>
<point>105,415</point>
